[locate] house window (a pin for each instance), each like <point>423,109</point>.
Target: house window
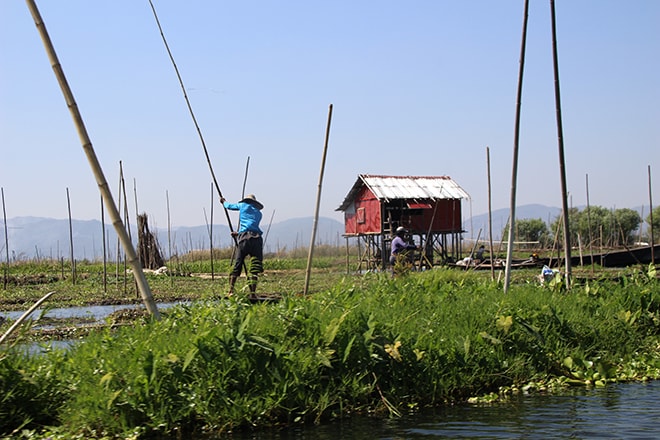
<point>361,215</point>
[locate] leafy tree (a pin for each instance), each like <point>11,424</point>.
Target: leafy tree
<point>531,229</point>
<point>655,225</point>
<point>627,222</point>
<point>600,225</point>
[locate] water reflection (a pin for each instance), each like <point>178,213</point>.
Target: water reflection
<point>97,313</point>
<point>621,411</point>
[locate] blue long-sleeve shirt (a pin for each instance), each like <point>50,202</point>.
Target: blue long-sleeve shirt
<point>249,216</point>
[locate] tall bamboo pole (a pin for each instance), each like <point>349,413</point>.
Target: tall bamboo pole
<point>318,203</point>
<point>119,256</point>
<point>127,220</point>
<point>105,252</point>
<point>651,218</point>
<point>211,236</point>
<point>490,217</point>
<point>516,141</point>
<point>137,209</point>
<point>169,233</point>
<point>192,115</point>
<point>73,259</point>
<point>270,222</point>
<point>145,291</point>
<point>247,167</point>
<point>591,251</point>
<point>560,142</point>
<point>4,217</point>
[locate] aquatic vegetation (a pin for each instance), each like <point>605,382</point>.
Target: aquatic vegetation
<point>371,344</point>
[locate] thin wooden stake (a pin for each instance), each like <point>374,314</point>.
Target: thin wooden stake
<point>73,260</point>
<point>268,229</point>
<point>490,218</point>
<point>247,166</point>
<point>591,251</point>
<point>318,203</point>
<point>4,217</point>
<point>169,234</point>
<point>105,255</point>
<point>211,236</point>
<point>651,218</point>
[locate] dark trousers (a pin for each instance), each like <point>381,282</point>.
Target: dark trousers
<point>249,245</point>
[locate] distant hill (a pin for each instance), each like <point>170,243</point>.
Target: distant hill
<point>31,237</point>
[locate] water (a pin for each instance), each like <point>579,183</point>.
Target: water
<point>93,315</point>
<point>96,313</point>
<point>618,411</point>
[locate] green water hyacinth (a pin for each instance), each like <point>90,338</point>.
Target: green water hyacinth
<point>371,345</point>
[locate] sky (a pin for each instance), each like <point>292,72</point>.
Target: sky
<point>417,88</point>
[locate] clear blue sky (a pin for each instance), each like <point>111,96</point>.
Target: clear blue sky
<point>418,88</point>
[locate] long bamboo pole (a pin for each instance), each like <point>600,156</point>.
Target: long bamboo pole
<point>192,115</point>
<point>127,220</point>
<point>424,244</point>
<point>211,236</point>
<point>651,218</point>
<point>4,217</point>
<point>516,141</point>
<point>20,320</point>
<point>247,167</point>
<point>490,218</point>
<point>73,259</point>
<point>169,232</point>
<point>318,203</point>
<point>145,291</point>
<point>560,142</point>
<point>591,250</point>
<point>119,255</point>
<point>268,229</point>
<point>105,251</point>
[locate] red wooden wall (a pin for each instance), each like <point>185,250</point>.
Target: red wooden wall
<point>364,216</point>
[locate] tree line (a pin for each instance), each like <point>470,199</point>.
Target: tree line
<point>595,225</point>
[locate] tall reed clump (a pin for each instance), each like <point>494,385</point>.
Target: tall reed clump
<point>374,344</point>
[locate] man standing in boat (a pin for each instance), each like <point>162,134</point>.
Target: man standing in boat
<point>250,240</point>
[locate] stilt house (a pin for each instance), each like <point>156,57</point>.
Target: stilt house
<point>429,207</point>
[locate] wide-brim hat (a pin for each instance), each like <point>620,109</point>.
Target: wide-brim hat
<point>250,198</point>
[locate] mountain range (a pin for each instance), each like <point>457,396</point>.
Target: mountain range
<point>32,237</point>
<point>39,237</point>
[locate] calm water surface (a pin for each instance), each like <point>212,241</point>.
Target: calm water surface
<point>622,411</point>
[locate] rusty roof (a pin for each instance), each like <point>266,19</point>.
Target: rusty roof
<point>406,187</point>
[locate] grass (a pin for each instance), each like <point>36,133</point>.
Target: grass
<point>371,344</point>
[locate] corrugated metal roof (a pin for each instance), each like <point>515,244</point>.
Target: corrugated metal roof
<point>406,187</point>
